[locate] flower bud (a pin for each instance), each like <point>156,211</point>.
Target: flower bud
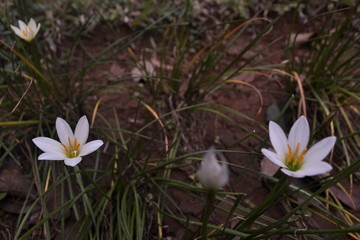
<point>212,174</point>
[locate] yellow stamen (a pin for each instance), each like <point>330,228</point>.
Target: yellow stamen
<point>297,149</point>
<point>289,155</point>
<point>294,160</point>
<point>72,149</point>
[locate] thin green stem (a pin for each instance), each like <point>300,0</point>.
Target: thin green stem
<point>87,203</point>
<point>208,209</point>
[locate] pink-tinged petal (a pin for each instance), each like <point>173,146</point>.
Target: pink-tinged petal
<point>275,158</point>
<point>72,162</point>
<point>319,150</point>
<point>49,145</point>
<point>209,167</point>
<point>37,29</point>
<point>16,30</point>
<point>22,25</point>
<point>211,174</point>
<point>136,74</point>
<point>64,131</point>
<point>51,156</point>
<point>149,68</point>
<point>224,175</point>
<point>82,130</point>
<point>32,24</point>
<point>278,139</point>
<point>315,168</point>
<point>90,147</point>
<point>296,174</point>
<point>299,133</point>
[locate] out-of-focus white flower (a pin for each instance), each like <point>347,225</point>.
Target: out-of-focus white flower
<point>27,32</point>
<point>213,175</point>
<point>143,72</point>
<point>72,146</point>
<point>292,155</point>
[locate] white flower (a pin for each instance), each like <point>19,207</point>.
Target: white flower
<point>143,72</point>
<point>27,32</point>
<point>211,174</point>
<point>292,155</point>
<point>72,146</point>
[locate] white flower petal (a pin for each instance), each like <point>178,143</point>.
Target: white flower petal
<point>90,147</point>
<point>275,158</point>
<point>210,161</point>
<point>315,168</point>
<point>36,30</point>
<point>136,74</point>
<point>223,178</point>
<point>211,174</point>
<point>82,130</point>
<point>49,145</point>
<point>72,162</point>
<point>149,68</point>
<point>299,133</point>
<point>319,150</point>
<point>16,30</point>
<point>64,131</point>
<point>296,174</point>
<point>51,156</point>
<point>22,25</point>
<point>32,24</point>
<point>278,138</point>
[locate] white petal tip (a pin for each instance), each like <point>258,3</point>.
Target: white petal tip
<point>72,162</point>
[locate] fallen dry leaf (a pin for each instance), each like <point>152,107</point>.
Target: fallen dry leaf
<point>298,38</point>
<point>342,192</point>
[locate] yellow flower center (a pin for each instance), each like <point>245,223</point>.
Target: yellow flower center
<point>25,32</point>
<point>294,160</point>
<point>72,149</point>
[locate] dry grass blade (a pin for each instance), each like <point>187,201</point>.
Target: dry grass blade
<point>296,76</point>
<point>347,121</point>
<point>152,111</point>
<point>23,95</point>
<point>227,36</point>
<point>23,59</point>
<point>302,95</point>
<point>132,54</point>
<point>93,115</point>
<point>196,56</point>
